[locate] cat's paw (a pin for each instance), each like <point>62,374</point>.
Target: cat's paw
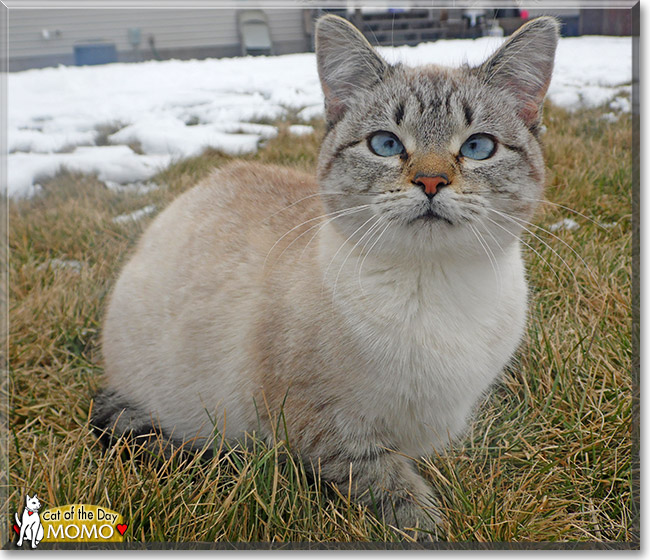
<point>421,521</point>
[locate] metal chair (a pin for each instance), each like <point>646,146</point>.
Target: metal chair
<point>254,32</point>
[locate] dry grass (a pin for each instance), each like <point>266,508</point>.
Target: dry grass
<point>548,458</point>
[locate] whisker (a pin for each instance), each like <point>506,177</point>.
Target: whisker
<point>370,234</point>
<point>490,255</point>
<point>567,208</point>
<point>341,247</point>
<point>312,196</point>
<point>544,201</point>
<point>320,228</point>
<point>329,220</point>
<point>373,227</point>
<point>336,281</point>
<point>368,253</point>
<point>329,214</point>
<point>593,275</point>
<point>526,244</point>
<point>539,239</point>
<point>494,238</point>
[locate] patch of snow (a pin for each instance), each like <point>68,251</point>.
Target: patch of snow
<point>171,136</point>
<point>621,104</point>
<point>610,117</point>
<point>311,112</point>
<point>135,216</point>
<point>567,224</point>
<point>138,187</point>
<point>110,163</point>
<point>264,131</point>
<point>57,264</point>
<point>34,140</point>
<point>301,129</point>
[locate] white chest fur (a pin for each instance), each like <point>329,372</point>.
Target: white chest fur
<point>434,337</point>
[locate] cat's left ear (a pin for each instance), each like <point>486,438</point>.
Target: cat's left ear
<point>347,63</point>
<point>524,64</point>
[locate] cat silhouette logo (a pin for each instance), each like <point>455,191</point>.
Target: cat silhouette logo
<point>29,528</point>
<point>69,523</point>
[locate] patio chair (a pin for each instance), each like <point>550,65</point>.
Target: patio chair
<point>254,32</point>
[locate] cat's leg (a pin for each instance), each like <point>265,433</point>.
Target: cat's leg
<point>343,449</point>
<point>39,534</point>
<point>28,534</point>
<point>388,481</point>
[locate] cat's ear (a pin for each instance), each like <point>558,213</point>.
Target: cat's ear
<point>346,63</point>
<point>523,66</point>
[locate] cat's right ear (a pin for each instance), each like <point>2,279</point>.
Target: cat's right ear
<point>346,64</point>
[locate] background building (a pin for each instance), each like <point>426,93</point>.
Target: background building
<point>48,37</point>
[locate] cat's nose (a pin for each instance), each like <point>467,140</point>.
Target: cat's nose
<point>431,184</point>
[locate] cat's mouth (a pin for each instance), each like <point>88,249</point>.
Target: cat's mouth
<point>430,215</point>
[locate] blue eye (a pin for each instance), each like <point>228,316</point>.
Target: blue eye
<point>478,146</point>
<point>385,144</point>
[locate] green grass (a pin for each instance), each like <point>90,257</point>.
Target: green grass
<point>548,457</point>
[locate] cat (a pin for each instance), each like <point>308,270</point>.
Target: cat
<point>372,306</point>
<point>30,525</point>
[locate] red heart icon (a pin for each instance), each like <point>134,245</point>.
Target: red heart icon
<point>122,527</point>
<point>16,529</point>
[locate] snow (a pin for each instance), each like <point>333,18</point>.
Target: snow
<point>609,117</point>
<point>135,216</point>
<point>622,104</point>
<point>566,223</point>
<point>33,140</point>
<point>153,113</point>
<point>301,129</point>
<point>110,163</point>
<point>59,264</point>
<point>168,135</point>
<point>138,187</point>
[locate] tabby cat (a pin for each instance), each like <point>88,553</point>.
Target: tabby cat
<point>373,305</point>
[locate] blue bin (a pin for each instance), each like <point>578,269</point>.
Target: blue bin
<point>95,53</point>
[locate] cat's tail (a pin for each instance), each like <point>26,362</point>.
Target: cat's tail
<point>18,522</point>
<point>115,418</point>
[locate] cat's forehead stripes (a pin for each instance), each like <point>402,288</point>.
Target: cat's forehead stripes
<point>427,104</point>
<point>467,110</point>
<point>399,112</point>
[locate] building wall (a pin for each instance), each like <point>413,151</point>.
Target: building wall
<point>606,22</point>
<point>592,21</point>
<point>46,37</point>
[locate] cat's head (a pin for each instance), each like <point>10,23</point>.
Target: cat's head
<point>445,159</point>
<point>32,503</point>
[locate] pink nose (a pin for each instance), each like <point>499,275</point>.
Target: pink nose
<point>431,184</point>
